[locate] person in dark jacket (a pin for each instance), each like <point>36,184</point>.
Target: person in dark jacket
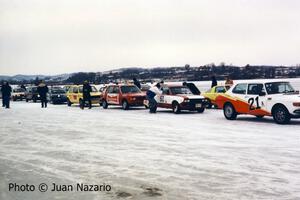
<point>43,90</point>
<point>86,91</point>
<point>213,81</point>
<point>136,83</point>
<point>6,93</point>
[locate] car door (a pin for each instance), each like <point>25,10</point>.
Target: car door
<point>112,95</point>
<point>256,96</point>
<point>75,95</point>
<point>164,100</point>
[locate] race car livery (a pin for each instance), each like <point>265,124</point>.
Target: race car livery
<point>261,98</point>
<point>212,94</point>
<point>75,95</point>
<point>125,95</point>
<point>180,97</point>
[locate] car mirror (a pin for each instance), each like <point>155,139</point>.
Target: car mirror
<point>262,94</point>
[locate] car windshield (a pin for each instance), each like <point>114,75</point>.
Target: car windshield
<point>19,90</point>
<point>57,91</point>
<point>180,90</point>
<point>279,88</point>
<point>130,89</point>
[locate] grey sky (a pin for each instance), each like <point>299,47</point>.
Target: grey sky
<point>58,36</point>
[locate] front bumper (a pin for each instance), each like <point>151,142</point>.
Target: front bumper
<point>193,104</point>
<point>296,114</point>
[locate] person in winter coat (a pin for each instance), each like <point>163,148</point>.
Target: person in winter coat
<point>42,90</point>
<point>86,91</point>
<point>136,83</point>
<point>151,93</point>
<point>213,81</point>
<point>6,93</point>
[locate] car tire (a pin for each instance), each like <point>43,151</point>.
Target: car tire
<point>27,100</point>
<point>201,110</point>
<point>229,111</point>
<point>125,105</point>
<point>81,104</point>
<point>281,115</point>
<point>176,108</point>
<point>34,100</point>
<point>208,105</point>
<point>104,104</point>
<point>69,103</point>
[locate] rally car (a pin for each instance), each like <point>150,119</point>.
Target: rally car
<point>125,95</point>
<point>261,98</point>
<point>31,94</point>
<point>18,94</point>
<point>57,95</point>
<point>180,97</point>
<point>75,95</point>
<point>212,94</point>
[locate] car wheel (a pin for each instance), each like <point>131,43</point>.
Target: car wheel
<point>34,100</point>
<point>209,105</point>
<point>104,104</point>
<point>176,108</point>
<point>125,105</point>
<point>81,104</point>
<point>69,103</point>
<point>201,110</point>
<point>281,115</point>
<point>229,111</point>
<point>27,100</point>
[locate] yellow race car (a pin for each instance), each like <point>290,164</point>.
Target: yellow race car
<point>212,94</point>
<point>75,95</point>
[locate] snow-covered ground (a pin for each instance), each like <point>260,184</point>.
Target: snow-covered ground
<point>147,156</point>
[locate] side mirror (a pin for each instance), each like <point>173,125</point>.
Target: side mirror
<point>262,94</point>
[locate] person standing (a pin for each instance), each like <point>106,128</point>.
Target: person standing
<point>151,93</point>
<point>43,90</point>
<point>86,90</point>
<point>6,93</point>
<point>228,83</point>
<point>136,83</point>
<point>213,81</point>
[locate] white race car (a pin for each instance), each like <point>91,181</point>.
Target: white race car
<point>261,98</point>
<point>181,97</point>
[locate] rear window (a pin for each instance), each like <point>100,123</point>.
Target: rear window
<point>130,89</point>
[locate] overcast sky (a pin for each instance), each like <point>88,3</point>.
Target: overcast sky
<point>62,36</point>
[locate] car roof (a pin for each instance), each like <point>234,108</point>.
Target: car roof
<point>260,81</point>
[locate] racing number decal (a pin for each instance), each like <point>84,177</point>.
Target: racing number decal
<point>251,102</point>
<point>161,99</point>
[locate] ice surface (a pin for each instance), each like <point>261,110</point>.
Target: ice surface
<point>147,156</point>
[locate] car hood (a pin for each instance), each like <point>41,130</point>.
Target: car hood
<point>190,96</point>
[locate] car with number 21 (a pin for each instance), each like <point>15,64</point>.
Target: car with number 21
<point>261,98</point>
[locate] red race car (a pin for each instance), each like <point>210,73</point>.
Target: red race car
<point>125,95</point>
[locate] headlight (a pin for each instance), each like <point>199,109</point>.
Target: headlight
<point>38,95</point>
<point>186,100</point>
<point>296,104</point>
<point>133,98</point>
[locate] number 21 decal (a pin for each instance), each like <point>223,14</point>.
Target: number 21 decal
<point>251,101</point>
